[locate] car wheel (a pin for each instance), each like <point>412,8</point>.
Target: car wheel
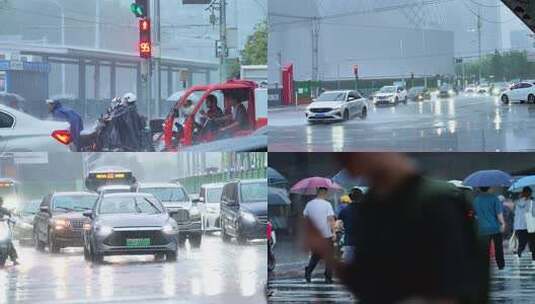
<point>224,235</point>
<point>95,257</point>
<point>531,98</point>
<point>346,115</point>
<point>170,256</point>
<point>505,99</point>
<point>242,239</point>
<point>181,240</point>
<point>87,254</point>
<point>364,113</point>
<point>196,240</point>
<point>52,244</point>
<point>39,246</point>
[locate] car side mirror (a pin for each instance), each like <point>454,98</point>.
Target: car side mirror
<point>88,213</point>
<point>44,209</point>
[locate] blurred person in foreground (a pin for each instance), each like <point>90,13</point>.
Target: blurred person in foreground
<point>12,251</point>
<point>415,238</point>
<point>489,216</point>
<point>320,212</point>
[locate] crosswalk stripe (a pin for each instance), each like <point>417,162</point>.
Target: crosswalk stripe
<point>297,291</point>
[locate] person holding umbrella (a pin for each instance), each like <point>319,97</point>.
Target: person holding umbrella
<point>522,206</point>
<point>489,209</point>
<point>321,213</point>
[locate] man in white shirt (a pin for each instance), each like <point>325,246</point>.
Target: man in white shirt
<point>320,212</point>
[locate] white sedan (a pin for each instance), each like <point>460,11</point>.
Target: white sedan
<point>20,132</point>
<point>520,93</point>
<point>337,106</point>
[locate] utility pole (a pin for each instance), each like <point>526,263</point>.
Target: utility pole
<point>223,39</point>
<point>479,26</point>
<point>315,48</point>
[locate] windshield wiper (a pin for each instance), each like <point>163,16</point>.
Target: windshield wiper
<point>82,208</point>
<point>65,208</point>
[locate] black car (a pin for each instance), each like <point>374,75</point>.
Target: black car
<point>419,94</point>
<point>59,222</point>
<point>244,210</point>
<point>129,223</point>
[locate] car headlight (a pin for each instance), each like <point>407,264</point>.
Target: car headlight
<point>248,217</point>
<point>169,229</point>
<point>60,224</point>
<point>104,230</point>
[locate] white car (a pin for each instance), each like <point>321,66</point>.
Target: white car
<point>520,93</point>
<point>20,132</point>
<point>390,95</point>
<point>337,106</point>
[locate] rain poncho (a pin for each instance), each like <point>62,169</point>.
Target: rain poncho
<point>123,131</point>
<point>62,113</point>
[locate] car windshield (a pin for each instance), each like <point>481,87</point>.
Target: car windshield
<point>68,203</point>
<point>171,194</point>
<point>387,90</point>
<point>30,208</point>
<point>332,96</point>
<point>128,205</point>
<point>253,192</point>
<point>213,195</point>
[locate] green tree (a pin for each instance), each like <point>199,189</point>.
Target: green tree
<point>255,52</point>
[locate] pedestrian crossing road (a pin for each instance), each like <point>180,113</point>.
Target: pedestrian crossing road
<point>514,284</point>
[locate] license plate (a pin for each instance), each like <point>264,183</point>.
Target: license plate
<point>320,115</point>
<point>135,243</point>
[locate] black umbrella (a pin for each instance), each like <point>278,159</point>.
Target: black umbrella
<point>275,178</point>
<point>278,197</point>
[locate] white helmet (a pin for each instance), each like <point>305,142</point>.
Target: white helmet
<point>129,98</point>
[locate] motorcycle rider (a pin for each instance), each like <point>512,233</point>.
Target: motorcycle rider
<point>63,113</point>
<point>12,252</point>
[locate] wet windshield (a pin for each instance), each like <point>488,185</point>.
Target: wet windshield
<point>332,96</point>
<point>387,90</point>
<point>172,194</point>
<point>129,205</point>
<point>213,195</point>
<point>253,192</point>
<point>70,203</point>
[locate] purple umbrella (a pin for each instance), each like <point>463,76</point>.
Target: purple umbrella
<point>488,178</point>
<point>309,186</point>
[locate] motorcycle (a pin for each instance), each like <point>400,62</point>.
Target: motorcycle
<point>272,240</point>
<point>6,239</point>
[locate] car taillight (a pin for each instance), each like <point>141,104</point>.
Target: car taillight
<point>63,136</point>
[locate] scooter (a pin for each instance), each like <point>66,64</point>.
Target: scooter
<point>6,239</point>
<point>272,240</point>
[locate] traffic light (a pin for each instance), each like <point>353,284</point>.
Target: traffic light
<point>140,8</point>
<point>145,44</point>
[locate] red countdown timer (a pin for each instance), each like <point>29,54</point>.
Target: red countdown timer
<point>145,44</point>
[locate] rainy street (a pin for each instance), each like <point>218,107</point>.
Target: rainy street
<point>287,283</point>
<point>218,272</point>
<point>471,123</point>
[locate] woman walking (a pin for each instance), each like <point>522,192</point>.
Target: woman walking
<point>523,206</point>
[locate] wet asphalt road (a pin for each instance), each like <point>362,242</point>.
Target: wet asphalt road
<point>216,273</point>
<point>515,284</point>
<point>468,123</point>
